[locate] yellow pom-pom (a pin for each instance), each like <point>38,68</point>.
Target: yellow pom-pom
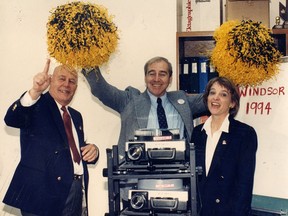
<point>245,52</point>
<point>81,35</point>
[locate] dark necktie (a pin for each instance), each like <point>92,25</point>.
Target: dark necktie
<point>68,129</point>
<point>161,115</point>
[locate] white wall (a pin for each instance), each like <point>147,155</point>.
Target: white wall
<point>147,28</point>
<point>265,111</point>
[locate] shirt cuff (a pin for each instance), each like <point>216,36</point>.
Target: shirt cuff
<point>27,100</point>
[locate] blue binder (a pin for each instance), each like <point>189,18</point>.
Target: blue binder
<point>195,72</point>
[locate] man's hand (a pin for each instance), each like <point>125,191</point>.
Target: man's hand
<point>41,81</point>
<point>90,152</point>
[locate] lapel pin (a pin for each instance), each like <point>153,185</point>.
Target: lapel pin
<point>224,142</point>
<point>180,101</point>
<point>14,107</point>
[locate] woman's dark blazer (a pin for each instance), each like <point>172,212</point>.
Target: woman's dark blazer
<point>44,175</point>
<point>227,189</point>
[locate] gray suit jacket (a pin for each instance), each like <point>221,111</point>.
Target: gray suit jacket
<point>134,106</point>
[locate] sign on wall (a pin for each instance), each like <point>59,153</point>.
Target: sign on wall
<point>265,107</point>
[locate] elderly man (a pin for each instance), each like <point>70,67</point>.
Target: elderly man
<point>52,173</point>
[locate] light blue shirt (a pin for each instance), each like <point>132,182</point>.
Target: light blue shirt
<point>174,120</point>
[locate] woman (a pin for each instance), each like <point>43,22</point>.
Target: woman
<point>226,151</point>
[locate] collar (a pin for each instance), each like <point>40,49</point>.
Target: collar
<point>154,99</point>
<point>224,127</point>
<point>59,107</point>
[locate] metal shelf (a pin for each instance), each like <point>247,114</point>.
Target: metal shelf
<point>116,172</point>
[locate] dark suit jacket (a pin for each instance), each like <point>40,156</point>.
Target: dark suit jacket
<point>43,177</point>
<point>227,189</point>
<point>134,106</point>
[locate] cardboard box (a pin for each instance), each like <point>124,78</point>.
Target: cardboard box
<point>256,10</point>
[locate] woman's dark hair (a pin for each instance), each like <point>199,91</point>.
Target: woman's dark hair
<point>231,87</point>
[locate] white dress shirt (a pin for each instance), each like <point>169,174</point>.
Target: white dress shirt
<point>212,139</point>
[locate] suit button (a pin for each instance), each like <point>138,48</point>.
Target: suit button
<point>217,200</point>
<point>59,178</point>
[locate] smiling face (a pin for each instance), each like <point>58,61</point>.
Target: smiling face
<point>63,84</point>
<point>157,78</point>
<point>219,100</point>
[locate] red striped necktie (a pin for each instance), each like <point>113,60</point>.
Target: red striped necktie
<point>68,129</point>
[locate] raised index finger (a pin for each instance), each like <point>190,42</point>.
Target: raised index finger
<point>47,65</point>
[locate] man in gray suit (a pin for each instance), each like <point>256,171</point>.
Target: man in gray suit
<point>138,110</point>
